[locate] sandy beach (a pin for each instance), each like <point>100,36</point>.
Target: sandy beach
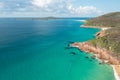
<point>81,20</point>
<point>102,28</point>
<point>116,69</point>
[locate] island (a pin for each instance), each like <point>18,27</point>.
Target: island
<point>39,18</point>
<point>106,45</point>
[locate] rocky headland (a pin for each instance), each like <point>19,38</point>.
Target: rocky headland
<point>106,46</point>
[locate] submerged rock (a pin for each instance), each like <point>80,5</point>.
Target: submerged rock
<point>90,60</point>
<point>70,42</point>
<point>73,53</point>
<point>93,57</point>
<point>67,47</point>
<point>100,63</point>
<point>87,57</point>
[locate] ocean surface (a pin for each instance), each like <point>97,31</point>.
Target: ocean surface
<point>32,49</point>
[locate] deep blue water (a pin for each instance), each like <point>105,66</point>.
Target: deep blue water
<point>37,50</point>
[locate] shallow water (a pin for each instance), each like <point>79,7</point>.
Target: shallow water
<point>39,50</point>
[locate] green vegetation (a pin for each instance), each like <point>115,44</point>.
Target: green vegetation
<point>111,41</point>
<point>107,20</point>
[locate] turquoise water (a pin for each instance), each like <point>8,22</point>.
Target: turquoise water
<point>39,50</point>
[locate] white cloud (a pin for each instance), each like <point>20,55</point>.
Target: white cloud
<point>41,3</point>
<point>52,6</point>
<point>49,7</point>
<point>83,10</point>
<point>62,7</point>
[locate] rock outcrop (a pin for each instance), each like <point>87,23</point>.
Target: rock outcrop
<point>101,53</point>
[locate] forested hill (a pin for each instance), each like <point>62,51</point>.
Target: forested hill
<point>111,40</point>
<point>107,20</point>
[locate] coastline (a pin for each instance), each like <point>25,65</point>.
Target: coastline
<point>100,53</point>
<point>102,27</point>
<point>116,69</point>
<point>81,20</point>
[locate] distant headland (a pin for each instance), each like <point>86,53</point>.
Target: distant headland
<point>39,18</point>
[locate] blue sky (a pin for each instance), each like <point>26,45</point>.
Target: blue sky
<point>58,8</point>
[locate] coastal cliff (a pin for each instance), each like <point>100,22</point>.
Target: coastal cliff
<point>101,53</point>
<point>106,46</point>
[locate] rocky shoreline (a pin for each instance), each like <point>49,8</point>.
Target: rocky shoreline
<point>101,53</point>
<point>104,55</point>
